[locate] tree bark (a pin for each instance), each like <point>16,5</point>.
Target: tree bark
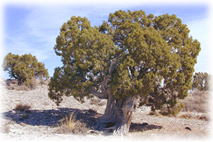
<point>117,117</point>
<point>118,113</point>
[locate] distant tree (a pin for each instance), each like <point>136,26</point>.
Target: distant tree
<point>201,81</point>
<point>132,56</point>
<point>24,68</point>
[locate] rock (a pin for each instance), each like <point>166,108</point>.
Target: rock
<point>187,128</point>
<point>145,124</point>
<point>23,124</point>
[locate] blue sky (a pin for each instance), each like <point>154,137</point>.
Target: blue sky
<point>33,28</point>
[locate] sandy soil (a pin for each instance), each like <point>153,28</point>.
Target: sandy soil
<point>41,120</point>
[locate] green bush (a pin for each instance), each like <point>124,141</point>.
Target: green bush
<point>24,68</point>
<point>201,81</point>
<point>172,111</point>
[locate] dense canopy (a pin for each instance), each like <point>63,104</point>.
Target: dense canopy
<point>133,55</point>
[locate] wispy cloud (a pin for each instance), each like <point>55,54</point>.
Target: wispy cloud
<point>42,25</point>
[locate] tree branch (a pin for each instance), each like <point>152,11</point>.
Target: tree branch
<point>98,94</point>
<point>113,65</point>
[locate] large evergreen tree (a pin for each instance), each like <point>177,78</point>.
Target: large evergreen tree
<point>132,56</point>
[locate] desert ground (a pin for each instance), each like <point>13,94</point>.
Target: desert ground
<point>31,115</point>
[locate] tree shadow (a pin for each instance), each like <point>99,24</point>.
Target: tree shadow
<point>53,117</point>
<point>138,127</point>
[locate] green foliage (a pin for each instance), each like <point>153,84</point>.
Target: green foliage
<point>172,111</point>
<point>133,54</point>
<point>24,68</point>
<point>201,81</point>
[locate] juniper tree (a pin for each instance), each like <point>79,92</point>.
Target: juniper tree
<point>131,57</point>
<point>201,81</point>
<point>24,67</point>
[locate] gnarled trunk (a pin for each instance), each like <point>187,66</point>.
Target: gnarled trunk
<point>118,115</point>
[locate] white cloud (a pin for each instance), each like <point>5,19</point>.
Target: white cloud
<point>39,31</point>
<point>42,26</point>
<point>21,47</point>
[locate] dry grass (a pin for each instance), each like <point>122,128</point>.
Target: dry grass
<point>69,124</point>
<point>21,107</point>
<point>33,83</point>
<point>196,105</point>
<point>24,87</point>
<point>197,101</point>
<point>190,115</point>
<point>70,121</point>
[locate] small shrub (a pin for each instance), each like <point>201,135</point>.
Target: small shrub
<point>33,83</point>
<point>204,117</point>
<point>190,115</point>
<point>172,111</point>
<point>69,124</point>
<point>21,107</point>
<point>197,101</point>
<point>70,121</point>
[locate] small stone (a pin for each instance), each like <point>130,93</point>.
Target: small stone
<point>145,124</point>
<point>188,128</point>
<point>23,124</point>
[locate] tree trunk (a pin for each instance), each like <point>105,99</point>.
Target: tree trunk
<point>117,117</point>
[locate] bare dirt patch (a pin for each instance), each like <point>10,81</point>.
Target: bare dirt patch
<point>43,119</point>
